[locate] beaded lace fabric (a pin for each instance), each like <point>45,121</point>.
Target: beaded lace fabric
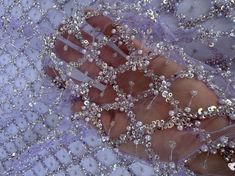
<point>41,136</point>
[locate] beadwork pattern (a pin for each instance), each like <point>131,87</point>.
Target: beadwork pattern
<point>37,134</point>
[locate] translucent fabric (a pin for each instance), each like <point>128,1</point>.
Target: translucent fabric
<point>38,134</point>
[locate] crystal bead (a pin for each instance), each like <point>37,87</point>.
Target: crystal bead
<point>171,113</point>
<point>231,166</point>
<point>180,128</point>
<point>204,148</point>
<point>187,109</point>
<point>232,116</point>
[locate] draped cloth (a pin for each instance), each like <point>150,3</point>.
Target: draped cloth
<point>37,135</point>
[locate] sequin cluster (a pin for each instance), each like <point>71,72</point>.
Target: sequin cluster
<point>137,60</point>
<point>33,141</point>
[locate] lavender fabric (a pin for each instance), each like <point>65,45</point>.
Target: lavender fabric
<point>37,136</point>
